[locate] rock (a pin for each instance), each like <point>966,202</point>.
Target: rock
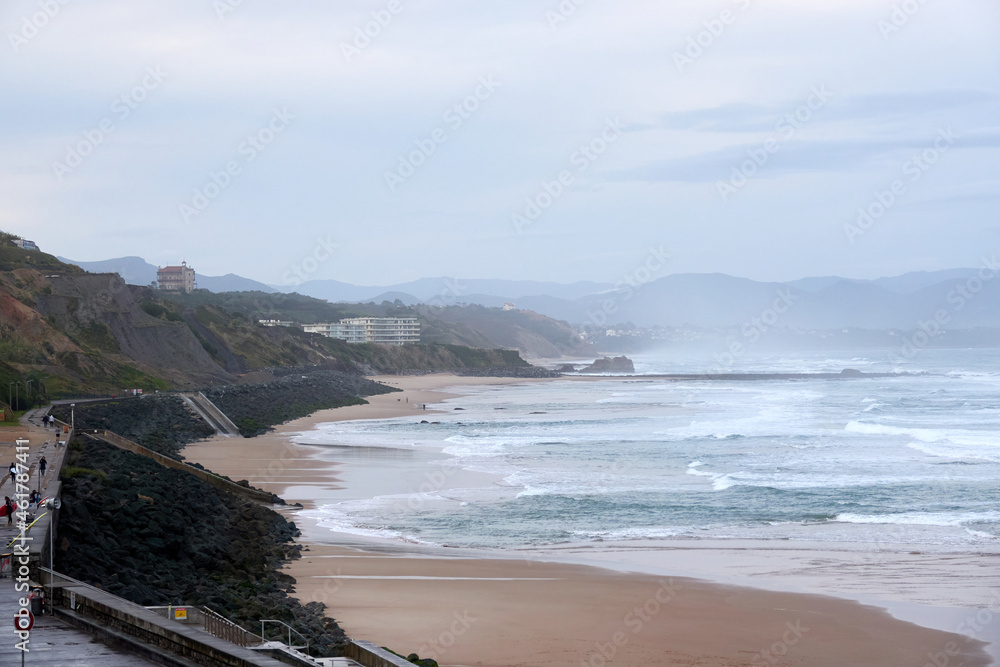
<point>196,545</point>
<point>851,373</point>
<point>566,368</point>
<point>620,364</point>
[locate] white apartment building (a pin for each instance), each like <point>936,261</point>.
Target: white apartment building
<point>384,330</point>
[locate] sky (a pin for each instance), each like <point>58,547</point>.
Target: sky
<point>380,141</point>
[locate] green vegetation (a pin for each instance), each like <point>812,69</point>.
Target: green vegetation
<point>414,658</point>
<point>254,306</point>
<point>14,349</point>
<point>12,257</point>
<point>98,335</point>
<point>159,311</point>
<point>70,472</point>
<point>89,334</point>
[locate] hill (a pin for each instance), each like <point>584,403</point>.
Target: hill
<point>64,331</point>
<point>137,271</point>
<point>534,334</point>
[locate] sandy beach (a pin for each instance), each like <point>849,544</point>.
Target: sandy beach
<point>703,603</point>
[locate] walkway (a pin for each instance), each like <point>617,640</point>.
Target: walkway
<point>41,442</point>
<point>52,643</point>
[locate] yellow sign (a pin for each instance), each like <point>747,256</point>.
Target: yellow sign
<point>180,614</point>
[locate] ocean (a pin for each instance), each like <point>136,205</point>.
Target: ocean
<point>907,459</point>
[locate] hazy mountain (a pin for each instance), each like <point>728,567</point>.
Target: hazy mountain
<point>392,297</point>
<point>963,301</point>
<point>904,284</point>
<point>698,300</point>
<point>818,283</point>
<point>918,280</point>
<point>133,270</point>
<point>448,291</point>
<point>232,283</point>
<point>137,271</point>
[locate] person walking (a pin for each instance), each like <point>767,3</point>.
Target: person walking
<point>9,506</point>
<point>13,471</point>
<point>41,465</point>
<point>52,421</point>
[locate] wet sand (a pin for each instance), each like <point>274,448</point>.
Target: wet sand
<point>467,608</point>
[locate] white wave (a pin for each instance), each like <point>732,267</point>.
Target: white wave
<point>957,436</point>
<point>724,482</point>
<point>921,518</point>
<point>634,533</point>
<point>720,481</point>
<point>340,520</point>
<point>980,534</point>
<point>955,453</point>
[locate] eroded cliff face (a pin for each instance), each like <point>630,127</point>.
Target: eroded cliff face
<point>91,334</point>
<point>83,333</point>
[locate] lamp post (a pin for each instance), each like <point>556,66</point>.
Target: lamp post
<point>17,398</point>
<point>72,415</point>
<point>8,395</point>
<point>27,392</point>
<point>52,504</point>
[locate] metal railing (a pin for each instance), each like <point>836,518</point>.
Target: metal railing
<point>290,631</point>
<point>221,627</point>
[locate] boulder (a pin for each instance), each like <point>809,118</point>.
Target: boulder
<point>620,364</point>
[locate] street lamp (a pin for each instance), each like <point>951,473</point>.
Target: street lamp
<point>72,415</point>
<point>16,397</point>
<point>52,504</point>
<point>27,393</point>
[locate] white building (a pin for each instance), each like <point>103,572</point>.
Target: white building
<point>384,330</point>
<point>25,244</point>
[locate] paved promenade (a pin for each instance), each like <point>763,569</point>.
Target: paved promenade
<point>52,643</point>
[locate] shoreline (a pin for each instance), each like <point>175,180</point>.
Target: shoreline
<point>381,589</point>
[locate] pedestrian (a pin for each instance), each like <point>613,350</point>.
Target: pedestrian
<point>9,506</point>
<point>13,471</point>
<point>41,464</point>
<point>52,421</point>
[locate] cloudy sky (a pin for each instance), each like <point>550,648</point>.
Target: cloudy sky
<point>380,141</point>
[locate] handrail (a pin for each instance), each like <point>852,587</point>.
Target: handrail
<point>290,631</point>
<point>70,581</point>
<point>219,626</point>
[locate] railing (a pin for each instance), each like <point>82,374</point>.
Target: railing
<point>205,475</point>
<point>70,581</point>
<point>290,631</point>
<point>221,627</point>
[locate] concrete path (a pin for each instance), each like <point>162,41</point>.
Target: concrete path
<point>41,441</point>
<point>52,643</point>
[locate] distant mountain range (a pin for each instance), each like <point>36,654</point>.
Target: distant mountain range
<point>137,271</point>
<point>959,298</point>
